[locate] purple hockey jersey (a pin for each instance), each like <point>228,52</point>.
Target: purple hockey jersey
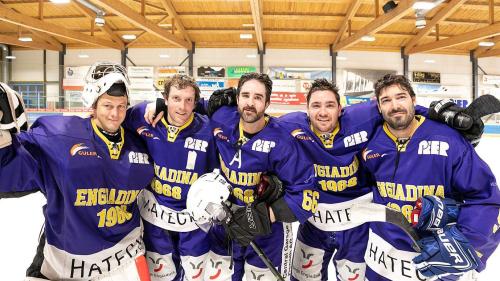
<point>272,151</point>
<point>339,176</point>
<point>92,222</point>
<point>436,160</point>
<point>180,155</point>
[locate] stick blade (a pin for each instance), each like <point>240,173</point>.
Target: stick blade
<point>372,212</point>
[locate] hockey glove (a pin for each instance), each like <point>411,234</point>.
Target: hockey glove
<point>220,98</point>
<point>433,213</point>
<point>248,222</point>
<point>269,190</point>
<point>12,115</point>
<point>446,111</point>
<point>446,252</point>
<point>466,120</point>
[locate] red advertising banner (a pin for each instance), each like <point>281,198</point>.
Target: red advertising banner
<point>288,98</point>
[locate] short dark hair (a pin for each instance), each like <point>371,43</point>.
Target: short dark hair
<point>263,78</point>
<point>181,81</point>
<point>393,79</point>
<point>322,84</point>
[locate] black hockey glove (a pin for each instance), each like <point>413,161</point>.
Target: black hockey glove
<point>12,107</point>
<point>220,98</point>
<point>269,190</point>
<point>160,106</point>
<point>248,222</point>
<point>446,111</point>
<point>12,115</point>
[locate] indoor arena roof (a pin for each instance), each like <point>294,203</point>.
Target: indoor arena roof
<point>452,27</point>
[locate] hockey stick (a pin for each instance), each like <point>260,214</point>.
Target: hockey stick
<point>369,212</point>
<point>266,261</point>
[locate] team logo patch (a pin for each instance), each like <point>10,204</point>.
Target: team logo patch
<point>215,265</point>
<point>82,150</point>
<point>354,273</point>
<point>307,259</point>
<point>200,269</point>
<point>355,139</point>
<point>144,131</point>
<point>159,263</point>
<point>301,135</point>
<point>367,155</point>
<point>218,133</point>
<point>256,276</point>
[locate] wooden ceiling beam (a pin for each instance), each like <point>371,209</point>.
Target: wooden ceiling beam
<point>481,6</point>
<point>169,7</point>
<point>491,16</point>
<point>278,16</point>
<point>281,31</point>
<point>49,39</point>
<point>445,12</point>
<point>45,37</point>
<point>144,33</point>
<point>256,6</point>
<point>91,15</point>
<point>10,16</point>
<point>490,53</point>
<point>481,33</point>
<point>159,8</point>
<point>377,24</point>
<point>351,11</point>
<point>12,40</point>
<point>480,50</point>
<point>133,17</point>
<point>40,9</point>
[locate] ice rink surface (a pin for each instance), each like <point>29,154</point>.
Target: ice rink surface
<point>21,221</point>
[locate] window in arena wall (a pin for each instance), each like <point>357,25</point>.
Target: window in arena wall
<point>33,94</point>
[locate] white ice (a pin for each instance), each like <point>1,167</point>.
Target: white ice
<point>21,221</point>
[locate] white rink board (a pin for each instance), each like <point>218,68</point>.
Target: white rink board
<point>21,220</point>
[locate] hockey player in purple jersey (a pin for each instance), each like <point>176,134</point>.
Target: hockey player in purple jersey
<point>411,157</point>
<point>182,148</point>
<point>91,171</point>
<point>252,144</point>
<point>333,139</point>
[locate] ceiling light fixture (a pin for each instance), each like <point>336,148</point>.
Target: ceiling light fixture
<point>10,57</point>
<point>246,36</point>
<point>424,5</point>
<point>420,22</point>
<point>129,36</point>
<point>99,20</point>
<point>486,44</point>
<point>25,39</point>
<point>368,38</point>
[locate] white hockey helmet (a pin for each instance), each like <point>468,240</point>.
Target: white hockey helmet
<point>205,198</point>
<point>100,78</point>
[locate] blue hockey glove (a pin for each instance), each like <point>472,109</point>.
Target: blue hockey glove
<point>433,213</point>
<point>446,252</point>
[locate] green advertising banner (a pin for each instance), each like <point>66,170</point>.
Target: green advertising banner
<point>237,71</point>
